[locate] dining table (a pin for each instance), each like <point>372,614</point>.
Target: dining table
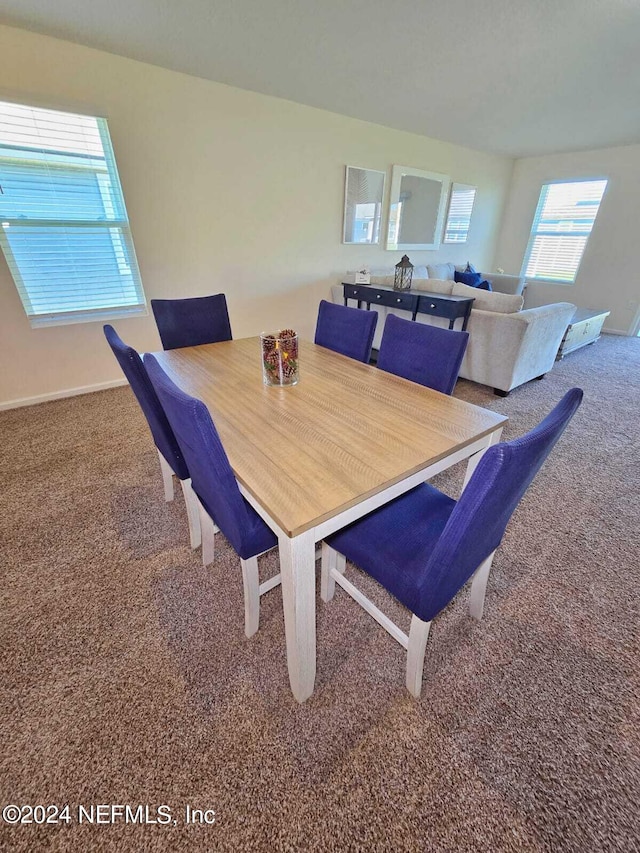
<point>313,457</point>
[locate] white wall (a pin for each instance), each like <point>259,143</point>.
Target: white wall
<point>226,190</point>
<point>609,275</point>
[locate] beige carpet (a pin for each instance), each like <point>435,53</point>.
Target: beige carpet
<point>126,677</point>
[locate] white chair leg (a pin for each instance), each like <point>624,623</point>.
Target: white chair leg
<point>479,587</point>
<point>207,532</point>
<point>418,636</point>
<point>193,514</point>
<point>251,586</point>
<point>331,559</point>
<point>167,477</point>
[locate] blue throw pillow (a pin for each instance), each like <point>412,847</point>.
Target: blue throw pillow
<point>484,285</point>
<point>472,279</point>
<point>470,267</point>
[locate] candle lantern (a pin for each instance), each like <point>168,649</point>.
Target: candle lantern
<point>279,357</point>
<point>404,274</point>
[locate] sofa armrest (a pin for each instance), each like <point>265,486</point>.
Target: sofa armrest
<point>506,350</point>
<point>513,284</point>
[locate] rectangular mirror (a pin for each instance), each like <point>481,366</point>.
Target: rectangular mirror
<point>461,202</point>
<point>363,193</point>
<point>416,208</point>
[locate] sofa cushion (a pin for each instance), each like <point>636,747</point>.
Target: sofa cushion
<point>500,303</point>
<point>386,275</point>
<point>433,285</point>
<point>442,271</point>
<point>473,279</point>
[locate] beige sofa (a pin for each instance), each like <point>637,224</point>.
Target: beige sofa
<point>508,346</point>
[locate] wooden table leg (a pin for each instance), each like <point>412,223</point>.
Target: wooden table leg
<point>297,571</point>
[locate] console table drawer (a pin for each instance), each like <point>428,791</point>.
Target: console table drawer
<point>357,291</point>
<point>437,307</point>
<point>394,299</point>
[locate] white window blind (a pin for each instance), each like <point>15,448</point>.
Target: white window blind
<point>561,227</point>
<point>65,232</point>
<point>459,216</point>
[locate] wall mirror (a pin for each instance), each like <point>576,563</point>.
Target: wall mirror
<point>416,208</point>
<point>461,202</point>
<point>363,193</point>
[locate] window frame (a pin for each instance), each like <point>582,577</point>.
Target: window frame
<point>534,232</point>
<point>118,227</point>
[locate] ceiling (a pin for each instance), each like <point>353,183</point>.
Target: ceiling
<point>514,77</point>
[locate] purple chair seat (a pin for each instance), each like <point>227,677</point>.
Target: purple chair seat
<point>394,542</point>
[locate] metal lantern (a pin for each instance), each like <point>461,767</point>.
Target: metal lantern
<point>404,274</point>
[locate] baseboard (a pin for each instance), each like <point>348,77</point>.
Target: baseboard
<point>616,332</point>
<point>59,395</point>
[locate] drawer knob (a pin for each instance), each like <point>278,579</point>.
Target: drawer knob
<point>398,299</point>
<point>433,305</point>
<point>378,296</point>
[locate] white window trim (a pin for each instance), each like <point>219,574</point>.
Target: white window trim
<point>533,234</point>
<point>94,314</point>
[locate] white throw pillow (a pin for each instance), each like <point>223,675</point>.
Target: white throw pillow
<point>442,271</point>
<point>490,300</point>
<point>385,272</point>
<point>433,285</point>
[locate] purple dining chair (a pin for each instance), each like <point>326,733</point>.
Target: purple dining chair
<point>215,485</point>
<point>424,546</point>
<point>169,454</point>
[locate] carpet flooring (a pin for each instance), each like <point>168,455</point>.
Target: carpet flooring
<point>126,677</point>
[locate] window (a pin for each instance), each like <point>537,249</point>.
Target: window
<point>459,216</point>
<point>65,232</point>
<point>561,227</point>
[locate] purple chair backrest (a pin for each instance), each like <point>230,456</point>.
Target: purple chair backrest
<point>191,322</point>
<point>133,368</point>
<point>423,353</point>
<point>476,525</point>
<point>348,331</point>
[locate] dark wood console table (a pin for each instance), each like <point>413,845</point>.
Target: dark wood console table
<point>415,301</point>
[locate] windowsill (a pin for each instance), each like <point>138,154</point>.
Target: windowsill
<point>88,316</point>
<point>531,280</point>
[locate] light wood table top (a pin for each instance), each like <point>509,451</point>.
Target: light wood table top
<point>345,432</point>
